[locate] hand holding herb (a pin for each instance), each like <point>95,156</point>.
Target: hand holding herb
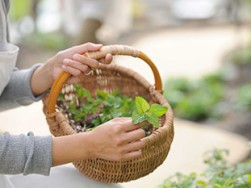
<point>116,139</point>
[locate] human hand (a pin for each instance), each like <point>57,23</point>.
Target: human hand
<point>117,139</point>
<point>73,61</point>
<point>70,60</point>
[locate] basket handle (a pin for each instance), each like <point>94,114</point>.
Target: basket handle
<point>113,50</point>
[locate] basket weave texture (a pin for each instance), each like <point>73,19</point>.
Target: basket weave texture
<point>130,83</point>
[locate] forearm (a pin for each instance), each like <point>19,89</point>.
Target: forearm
<point>41,79</point>
<point>66,149</point>
<point>30,154</point>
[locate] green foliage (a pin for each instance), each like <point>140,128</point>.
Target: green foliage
<point>213,96</point>
<point>244,96</point>
<point>195,99</point>
<point>218,174</point>
<point>90,111</point>
<point>183,181</point>
<point>104,107</point>
<point>49,41</point>
<point>240,56</point>
<point>145,112</point>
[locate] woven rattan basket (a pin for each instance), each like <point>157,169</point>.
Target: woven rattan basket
<point>130,83</point>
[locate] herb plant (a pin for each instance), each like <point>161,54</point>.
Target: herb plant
<point>85,112</point>
<point>218,174</point>
<point>196,100</point>
<point>146,112</point>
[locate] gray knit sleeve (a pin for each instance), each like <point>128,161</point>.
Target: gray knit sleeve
<point>18,91</point>
<point>25,154</point>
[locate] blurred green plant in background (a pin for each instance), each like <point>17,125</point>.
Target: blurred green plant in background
<point>244,97</point>
<point>214,95</point>
<point>51,41</point>
<point>196,99</point>
<point>218,174</point>
<point>241,56</point>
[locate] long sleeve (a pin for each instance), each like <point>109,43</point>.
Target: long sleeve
<point>19,154</point>
<point>25,154</point>
<point>18,91</point>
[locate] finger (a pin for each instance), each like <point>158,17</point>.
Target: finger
<point>107,60</point>
<point>72,71</point>
<point>127,124</point>
<point>92,63</point>
<point>76,65</point>
<point>135,135</point>
<point>134,146</point>
<point>124,122</point>
<point>132,155</point>
<point>130,126</point>
<point>87,47</point>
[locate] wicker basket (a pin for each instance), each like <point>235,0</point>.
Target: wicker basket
<point>130,83</point>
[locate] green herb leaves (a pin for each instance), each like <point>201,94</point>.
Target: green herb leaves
<point>86,111</point>
<point>145,112</point>
<point>217,174</point>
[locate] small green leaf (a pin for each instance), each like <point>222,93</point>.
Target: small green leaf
<point>158,109</point>
<point>153,119</point>
<point>138,118</point>
<point>141,105</point>
<point>101,94</point>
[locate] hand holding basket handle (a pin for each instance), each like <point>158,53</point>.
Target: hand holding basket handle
<point>128,82</point>
<point>113,50</point>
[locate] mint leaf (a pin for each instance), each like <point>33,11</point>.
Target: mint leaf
<point>141,105</point>
<point>158,109</point>
<point>153,119</point>
<point>145,112</point>
<point>138,118</point>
